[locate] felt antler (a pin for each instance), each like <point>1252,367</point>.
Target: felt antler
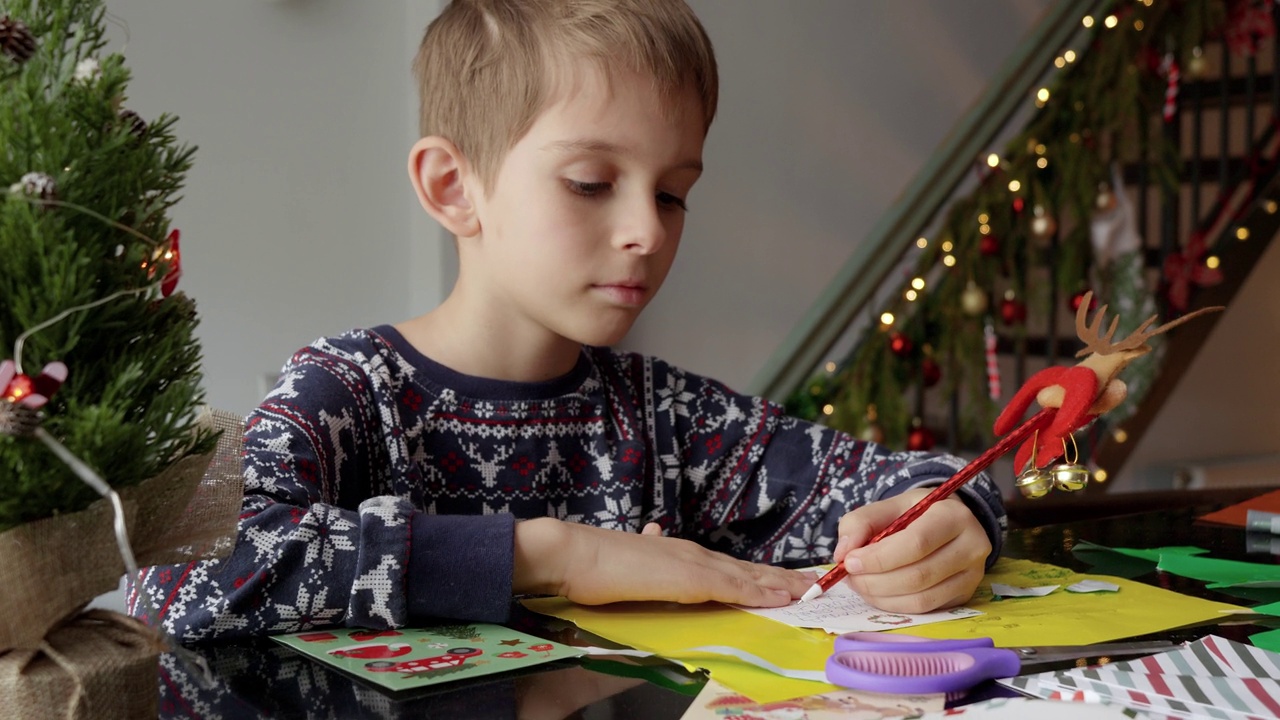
<point>1086,390</point>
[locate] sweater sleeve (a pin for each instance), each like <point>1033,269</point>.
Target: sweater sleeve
<point>323,537</point>
<point>758,484</point>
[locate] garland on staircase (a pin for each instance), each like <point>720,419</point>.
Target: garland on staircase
<point>1047,221</point>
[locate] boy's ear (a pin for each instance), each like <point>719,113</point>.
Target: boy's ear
<point>438,171</point>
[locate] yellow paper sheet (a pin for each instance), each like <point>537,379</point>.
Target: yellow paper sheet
<point>1061,618</point>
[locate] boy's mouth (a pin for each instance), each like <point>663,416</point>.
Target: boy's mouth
<point>624,293</point>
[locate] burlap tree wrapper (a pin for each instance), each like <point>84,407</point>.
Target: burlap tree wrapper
<point>57,661</point>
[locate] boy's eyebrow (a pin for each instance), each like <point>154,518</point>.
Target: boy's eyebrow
<point>607,148</point>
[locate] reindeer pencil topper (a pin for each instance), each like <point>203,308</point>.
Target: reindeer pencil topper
<point>1080,393</point>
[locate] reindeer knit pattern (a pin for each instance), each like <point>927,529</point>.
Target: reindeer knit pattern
<point>382,488</point>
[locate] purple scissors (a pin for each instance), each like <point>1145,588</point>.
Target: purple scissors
<point>910,664</point>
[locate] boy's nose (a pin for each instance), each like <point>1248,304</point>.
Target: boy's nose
<point>642,230</point>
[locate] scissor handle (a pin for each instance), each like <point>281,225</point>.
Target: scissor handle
<point>905,643</point>
<point>905,671</point>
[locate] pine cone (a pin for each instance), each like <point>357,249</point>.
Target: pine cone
<point>137,126</point>
<point>16,40</point>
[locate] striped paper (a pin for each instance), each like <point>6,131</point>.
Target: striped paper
<point>1209,678</point>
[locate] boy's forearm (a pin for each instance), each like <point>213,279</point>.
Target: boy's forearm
<point>541,550</point>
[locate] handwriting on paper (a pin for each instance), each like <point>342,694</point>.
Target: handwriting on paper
<point>842,610</point>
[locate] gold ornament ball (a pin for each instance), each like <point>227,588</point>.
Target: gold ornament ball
<point>872,434</point>
<point>1043,225</point>
<point>1034,483</point>
<point>973,299</point>
<point>1070,477</point>
<point>1106,199</point>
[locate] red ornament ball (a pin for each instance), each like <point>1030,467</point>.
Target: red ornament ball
<point>1019,204</point>
<point>1076,300</point>
<point>921,439</point>
<point>988,245</point>
<point>1013,311</point>
<point>930,372</point>
<point>900,344</point>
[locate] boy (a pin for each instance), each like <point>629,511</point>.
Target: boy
<point>494,446</point>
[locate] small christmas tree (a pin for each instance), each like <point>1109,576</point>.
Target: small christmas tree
<point>90,264</point>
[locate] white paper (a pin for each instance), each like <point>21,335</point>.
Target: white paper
<point>1011,591</point>
<point>1088,586</point>
<point>841,610</point>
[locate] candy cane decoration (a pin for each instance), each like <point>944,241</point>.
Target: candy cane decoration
<point>993,366</point>
<point>1169,67</point>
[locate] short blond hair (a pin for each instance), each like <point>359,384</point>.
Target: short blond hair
<point>485,67</point>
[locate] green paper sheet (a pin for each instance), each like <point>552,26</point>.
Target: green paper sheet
<point>1221,573</point>
<point>1269,640</point>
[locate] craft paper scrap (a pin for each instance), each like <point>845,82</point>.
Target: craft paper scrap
<point>1211,677</point>
<point>405,658</point>
<point>1072,618</point>
<point>1088,586</point>
<point>1002,590</point>
<point>717,702</point>
<point>1021,708</point>
<point>841,610</point>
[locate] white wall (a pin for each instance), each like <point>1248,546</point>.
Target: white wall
<point>828,108</point>
<point>298,219</point>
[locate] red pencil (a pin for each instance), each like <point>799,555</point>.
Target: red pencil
<point>1037,422</point>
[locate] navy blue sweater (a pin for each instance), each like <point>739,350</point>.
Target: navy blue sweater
<point>382,488</point>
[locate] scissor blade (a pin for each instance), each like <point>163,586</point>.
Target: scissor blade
<point>1033,656</point>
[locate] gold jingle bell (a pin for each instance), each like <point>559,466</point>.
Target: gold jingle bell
<point>1034,483</point>
<point>1070,477</point>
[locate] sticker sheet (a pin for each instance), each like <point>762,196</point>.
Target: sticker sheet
<point>413,658</point>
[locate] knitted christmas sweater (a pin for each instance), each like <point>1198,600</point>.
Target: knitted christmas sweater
<point>382,488</point>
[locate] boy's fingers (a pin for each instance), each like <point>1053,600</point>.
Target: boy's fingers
<point>950,592</point>
<point>864,522</point>
<point>652,528</point>
<point>940,525</point>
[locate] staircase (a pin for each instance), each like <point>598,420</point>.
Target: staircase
<point>1221,123</point>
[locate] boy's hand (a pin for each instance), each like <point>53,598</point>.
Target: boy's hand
<point>593,566</point>
<point>935,562</point>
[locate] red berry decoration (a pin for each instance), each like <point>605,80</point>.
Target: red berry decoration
<point>1013,311</point>
<point>1076,300</point>
<point>900,344</point>
<point>920,439</point>
<point>988,245</point>
<point>930,372</point>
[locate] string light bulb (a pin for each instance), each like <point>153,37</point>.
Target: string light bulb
<point>1212,262</point>
<point>993,160</point>
<point>947,245</point>
<point>831,366</point>
<point>949,260</point>
<point>1087,21</point>
<point>922,242</point>
<point>1069,56</point>
<point>1111,21</point>
<point>1242,233</point>
<point>917,283</point>
<point>911,295</point>
<point>1014,186</point>
<point>886,318</point>
<point>828,409</point>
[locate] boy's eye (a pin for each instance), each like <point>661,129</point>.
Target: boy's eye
<point>667,200</point>
<point>586,189</point>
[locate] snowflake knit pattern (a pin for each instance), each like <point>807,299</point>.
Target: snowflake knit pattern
<point>382,488</point>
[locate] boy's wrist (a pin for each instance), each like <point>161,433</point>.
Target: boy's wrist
<point>540,555</point>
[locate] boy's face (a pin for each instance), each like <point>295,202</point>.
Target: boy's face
<point>586,211</point>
